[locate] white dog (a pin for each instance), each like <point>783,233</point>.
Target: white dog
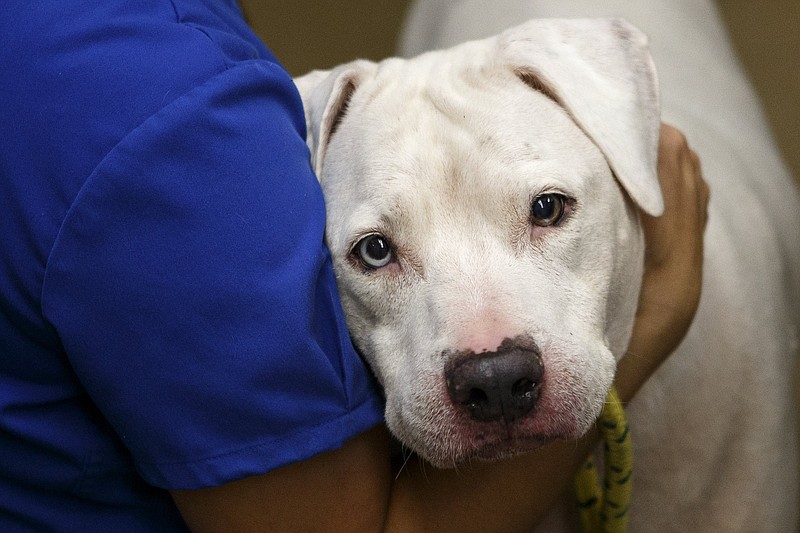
<point>482,216</point>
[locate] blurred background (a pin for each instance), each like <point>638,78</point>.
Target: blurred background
<point>311,34</point>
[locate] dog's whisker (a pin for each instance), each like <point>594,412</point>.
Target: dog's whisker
<point>407,454</point>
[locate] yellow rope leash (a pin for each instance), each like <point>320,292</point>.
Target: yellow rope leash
<point>605,509</point>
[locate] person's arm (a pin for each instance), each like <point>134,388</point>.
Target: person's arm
<point>352,488</point>
<point>673,274</point>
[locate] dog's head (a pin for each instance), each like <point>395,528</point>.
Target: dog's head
<point>487,258</point>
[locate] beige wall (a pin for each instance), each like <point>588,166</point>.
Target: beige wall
<point>766,34</point>
<point>308,34</point>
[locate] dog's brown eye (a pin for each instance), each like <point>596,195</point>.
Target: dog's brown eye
<point>374,251</point>
<point>547,209</point>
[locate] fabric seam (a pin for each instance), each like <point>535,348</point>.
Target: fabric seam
<point>343,416</point>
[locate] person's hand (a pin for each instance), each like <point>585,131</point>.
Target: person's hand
<point>673,267</point>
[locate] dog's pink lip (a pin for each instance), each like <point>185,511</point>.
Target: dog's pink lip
<point>499,448</point>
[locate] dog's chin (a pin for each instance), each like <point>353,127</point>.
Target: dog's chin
<point>489,449</point>
<point>504,449</point>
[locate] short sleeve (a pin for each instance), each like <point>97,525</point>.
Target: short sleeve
<point>194,296</point>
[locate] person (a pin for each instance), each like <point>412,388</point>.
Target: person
<point>172,350</point>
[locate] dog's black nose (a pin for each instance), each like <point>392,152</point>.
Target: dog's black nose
<point>495,386</point>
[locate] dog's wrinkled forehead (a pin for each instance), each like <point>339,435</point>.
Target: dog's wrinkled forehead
<point>598,71</point>
<point>464,129</point>
<point>472,148</point>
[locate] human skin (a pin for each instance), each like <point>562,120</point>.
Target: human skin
<point>353,489</point>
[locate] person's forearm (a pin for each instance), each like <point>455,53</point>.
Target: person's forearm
<point>643,358</point>
<point>509,495</point>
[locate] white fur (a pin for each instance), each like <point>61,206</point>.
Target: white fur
<point>443,155</point>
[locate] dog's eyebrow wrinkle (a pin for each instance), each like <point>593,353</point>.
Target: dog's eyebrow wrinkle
<point>444,104</point>
<point>453,104</point>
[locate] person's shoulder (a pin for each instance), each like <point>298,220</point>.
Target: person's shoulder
<point>79,77</point>
<point>124,60</point>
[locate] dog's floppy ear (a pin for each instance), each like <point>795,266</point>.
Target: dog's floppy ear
<point>326,95</point>
<point>601,72</point>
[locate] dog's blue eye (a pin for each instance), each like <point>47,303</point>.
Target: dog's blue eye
<point>547,209</point>
<point>374,251</point>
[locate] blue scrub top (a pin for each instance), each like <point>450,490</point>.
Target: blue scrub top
<point>168,313</point>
